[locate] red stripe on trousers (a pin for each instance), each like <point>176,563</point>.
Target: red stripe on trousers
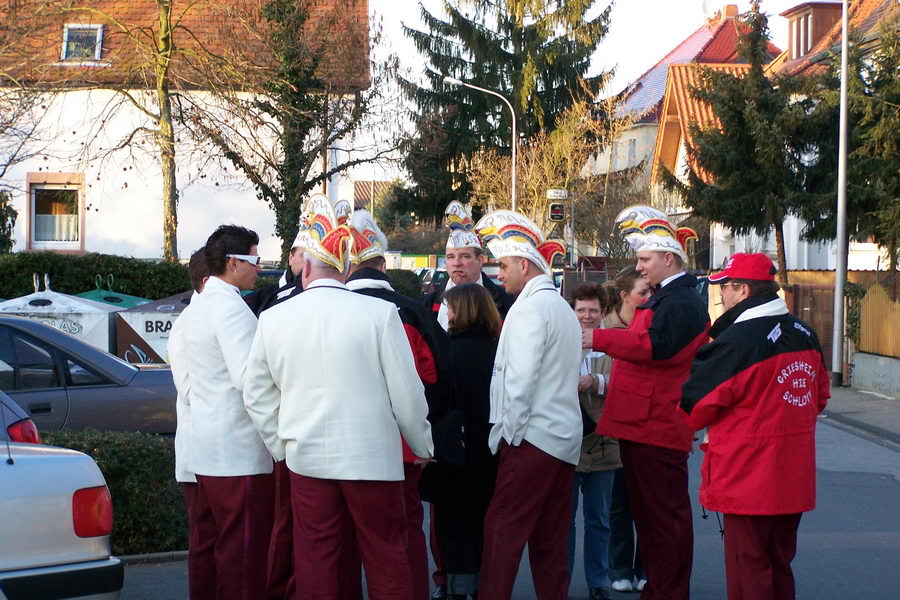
<point>758,555</point>
<point>240,510</point>
<point>657,481</point>
<point>532,504</point>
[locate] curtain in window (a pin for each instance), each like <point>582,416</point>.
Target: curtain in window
<point>56,228</point>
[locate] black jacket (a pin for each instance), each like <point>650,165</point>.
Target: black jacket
<point>472,362</point>
<point>270,295</point>
<point>502,299</point>
<point>412,314</point>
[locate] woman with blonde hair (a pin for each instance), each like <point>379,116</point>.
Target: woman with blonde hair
<point>462,489</point>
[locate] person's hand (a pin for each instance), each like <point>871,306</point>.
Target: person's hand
<point>422,462</point>
<point>587,339</point>
<point>585,382</point>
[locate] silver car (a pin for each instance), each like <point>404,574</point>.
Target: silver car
<point>55,521</point>
<point>60,381</point>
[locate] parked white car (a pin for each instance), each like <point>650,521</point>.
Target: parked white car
<point>55,521</point>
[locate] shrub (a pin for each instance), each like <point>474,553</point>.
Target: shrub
<point>148,506</point>
<point>405,282</point>
<point>73,274</point>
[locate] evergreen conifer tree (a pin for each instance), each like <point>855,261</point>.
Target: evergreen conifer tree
<point>535,52</point>
<point>873,173</point>
<point>747,173</point>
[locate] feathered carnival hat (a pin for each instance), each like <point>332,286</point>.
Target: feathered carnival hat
<point>302,239</point>
<point>342,210</point>
<point>648,229</point>
<point>325,237</point>
<point>461,227</point>
<point>368,240</point>
<point>508,233</point>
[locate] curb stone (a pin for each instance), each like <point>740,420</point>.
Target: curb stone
<point>863,426</point>
<point>154,558</point>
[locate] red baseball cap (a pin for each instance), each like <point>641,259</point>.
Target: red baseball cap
<point>756,267</point>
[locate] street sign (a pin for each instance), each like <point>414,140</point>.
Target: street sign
<point>557,211</point>
<point>557,194</point>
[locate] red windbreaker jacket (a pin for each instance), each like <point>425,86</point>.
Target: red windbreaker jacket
<point>652,359</point>
<point>758,387</point>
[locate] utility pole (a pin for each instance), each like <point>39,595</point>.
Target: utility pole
<point>840,268</point>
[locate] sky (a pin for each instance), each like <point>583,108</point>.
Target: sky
<point>641,31</point>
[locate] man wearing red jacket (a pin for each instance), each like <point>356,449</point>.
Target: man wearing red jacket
<point>758,387</point>
<point>652,358</point>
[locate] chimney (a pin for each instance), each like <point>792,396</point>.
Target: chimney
<point>729,11</point>
<point>808,23</point>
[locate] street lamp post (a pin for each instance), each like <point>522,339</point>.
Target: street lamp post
<point>840,267</point>
<point>458,82</point>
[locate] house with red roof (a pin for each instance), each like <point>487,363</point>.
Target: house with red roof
<point>713,43</point>
<point>93,181</point>
<point>669,110</point>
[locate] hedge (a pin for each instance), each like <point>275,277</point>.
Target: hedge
<point>73,274</point>
<point>405,282</point>
<point>148,506</point>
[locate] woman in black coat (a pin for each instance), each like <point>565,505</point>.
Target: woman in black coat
<point>462,493</point>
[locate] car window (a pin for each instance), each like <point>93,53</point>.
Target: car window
<point>7,368</point>
<point>35,363</point>
<point>81,375</point>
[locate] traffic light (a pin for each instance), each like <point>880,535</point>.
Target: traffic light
<point>557,212</point>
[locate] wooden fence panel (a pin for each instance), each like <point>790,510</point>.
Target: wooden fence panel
<point>879,323</point>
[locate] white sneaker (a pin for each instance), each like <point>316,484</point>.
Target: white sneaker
<point>640,584</point>
<point>622,585</point>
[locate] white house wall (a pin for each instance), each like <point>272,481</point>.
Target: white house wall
<point>122,192</point>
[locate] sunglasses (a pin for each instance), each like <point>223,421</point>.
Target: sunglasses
<point>249,258</point>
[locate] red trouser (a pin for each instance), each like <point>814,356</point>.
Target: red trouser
<point>201,540</point>
<point>532,504</point>
<point>657,481</point>
<point>239,513</point>
<point>281,548</point>
<point>438,576</point>
<point>323,510</point>
<point>415,534</point>
<point>758,555</point>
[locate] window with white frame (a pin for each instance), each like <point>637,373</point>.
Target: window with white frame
<point>82,42</point>
<point>55,216</point>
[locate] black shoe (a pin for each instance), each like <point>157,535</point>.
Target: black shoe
<point>599,593</point>
<point>439,593</point>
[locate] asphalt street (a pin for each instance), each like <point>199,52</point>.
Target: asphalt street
<point>848,548</point>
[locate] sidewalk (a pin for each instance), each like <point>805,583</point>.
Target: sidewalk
<point>873,413</point>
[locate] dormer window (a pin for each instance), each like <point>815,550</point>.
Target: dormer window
<point>808,23</point>
<point>82,43</point>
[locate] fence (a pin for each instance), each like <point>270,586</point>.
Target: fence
<point>879,323</point>
<point>814,304</point>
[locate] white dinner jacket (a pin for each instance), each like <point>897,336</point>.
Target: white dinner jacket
<point>332,384</point>
<point>534,388</point>
<point>223,441</point>
<point>177,359</point>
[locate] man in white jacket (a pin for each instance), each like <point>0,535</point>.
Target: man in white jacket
<point>232,464</point>
<point>201,556</point>
<point>331,386</point>
<point>536,416</point>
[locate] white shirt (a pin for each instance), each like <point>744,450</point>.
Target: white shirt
<point>332,385</point>
<point>586,370</point>
<point>223,441</point>
<point>534,389</point>
<point>670,279</point>
<point>177,359</point>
